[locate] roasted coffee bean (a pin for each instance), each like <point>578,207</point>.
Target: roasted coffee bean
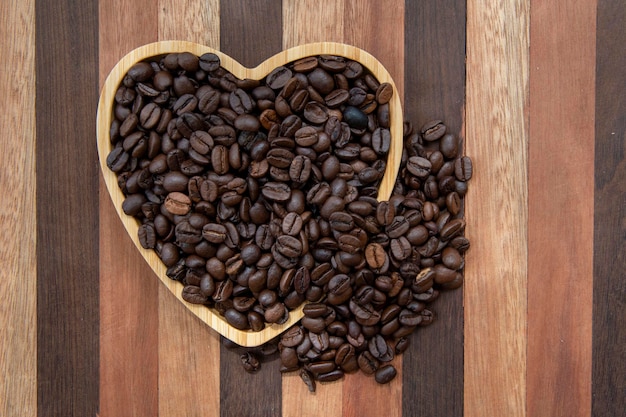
<point>376,256</point>
<point>214,232</point>
<point>292,337</point>
<point>276,191</point>
<point>176,203</point>
<point>433,130</point>
<point>384,92</point>
<point>452,229</point>
<point>278,78</point>
<point>250,362</point>
<point>300,169</point>
<point>315,310</point>
<point>147,236</point>
<point>385,374</point>
<point>381,141</point>
<point>341,221</point>
<point>288,246</point>
<point>398,227</point>
<point>463,168</point>
<point>379,348</point>
<point>332,205</point>
<point>368,364</point>
<point>292,224</point>
<point>418,166</point>
<point>335,375</point>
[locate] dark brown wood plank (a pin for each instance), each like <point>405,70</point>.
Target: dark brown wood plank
<point>434,88</point>
<point>560,209</point>
<point>250,39</point>
<point>609,285</point>
<point>128,287</point>
<point>251,31</point>
<point>67,208</point>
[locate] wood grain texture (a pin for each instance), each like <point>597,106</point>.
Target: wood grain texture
<point>312,21</point>
<point>247,38</point>
<point>560,211</point>
<point>128,291</point>
<point>189,360</point>
<point>387,17</point>
<point>609,264</point>
<point>435,89</point>
<point>18,216</point>
<point>304,22</point>
<point>497,372</point>
<point>194,21</point>
<point>260,394</point>
<point>362,396</point>
<point>496,127</point>
<point>67,208</point>
<point>128,323</point>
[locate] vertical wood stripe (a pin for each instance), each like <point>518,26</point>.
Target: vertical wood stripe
<point>67,204</point>
<point>496,127</point>
<point>435,89</point>
<point>250,39</point>
<point>609,264</point>
<point>362,396</point>
<point>560,218</point>
<point>188,359</point>
<point>304,22</point>
<point>128,289</point>
<point>535,330</point>
<point>18,217</point>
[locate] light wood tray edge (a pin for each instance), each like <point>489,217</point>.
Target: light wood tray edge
<point>103,122</point>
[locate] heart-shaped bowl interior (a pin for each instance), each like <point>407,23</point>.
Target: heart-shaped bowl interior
<point>105,116</point>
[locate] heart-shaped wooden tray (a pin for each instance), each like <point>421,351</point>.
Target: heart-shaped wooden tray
<point>104,119</point>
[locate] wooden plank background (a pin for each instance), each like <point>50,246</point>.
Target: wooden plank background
<point>536,89</point>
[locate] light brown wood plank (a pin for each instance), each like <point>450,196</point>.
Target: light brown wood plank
<point>128,322</point>
<point>193,21</point>
<point>364,397</point>
<point>560,229</point>
<point>18,276</point>
<point>128,288</point>
<point>304,22</point>
<point>497,208</point>
<point>363,22</point>
<point>189,362</point>
<point>189,351</point>
<point>312,21</point>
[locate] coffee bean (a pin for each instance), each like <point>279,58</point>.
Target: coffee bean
<point>288,246</point>
<point>276,191</point>
<point>385,374</point>
<point>433,130</point>
<point>418,166</point>
<point>278,78</point>
<point>177,203</point>
<point>463,168</point>
<point>375,256</point>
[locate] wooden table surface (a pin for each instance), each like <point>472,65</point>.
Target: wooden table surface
<point>538,91</point>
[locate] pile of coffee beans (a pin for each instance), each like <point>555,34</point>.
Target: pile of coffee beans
<point>259,195</point>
